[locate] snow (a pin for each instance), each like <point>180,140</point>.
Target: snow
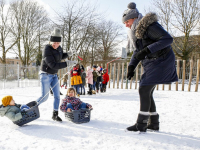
<point>113,112</point>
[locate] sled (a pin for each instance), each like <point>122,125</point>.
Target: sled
<point>32,114</point>
<point>79,116</point>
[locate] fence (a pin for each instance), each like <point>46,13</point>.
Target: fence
<point>187,75</point>
<point>21,76</point>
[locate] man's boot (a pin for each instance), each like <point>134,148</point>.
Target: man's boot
<point>141,124</point>
<point>153,122</point>
<point>55,116</point>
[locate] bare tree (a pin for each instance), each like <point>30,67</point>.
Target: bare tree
<point>187,15</point>
<point>76,20</point>
<point>6,41</point>
<point>183,16</point>
<point>28,23</point>
<point>163,8</point>
<point>110,36</point>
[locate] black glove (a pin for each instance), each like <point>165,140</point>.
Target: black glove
<point>131,72</point>
<point>142,53</point>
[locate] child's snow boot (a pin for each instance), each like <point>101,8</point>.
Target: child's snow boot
<point>153,122</point>
<point>55,116</point>
<point>89,92</point>
<point>141,124</point>
<point>93,92</point>
<point>65,87</point>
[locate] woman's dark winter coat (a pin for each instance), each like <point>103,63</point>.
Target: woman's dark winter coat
<point>51,59</point>
<point>159,65</point>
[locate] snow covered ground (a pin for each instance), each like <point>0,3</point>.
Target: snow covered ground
<point>113,112</point>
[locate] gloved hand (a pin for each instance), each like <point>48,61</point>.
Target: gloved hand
<point>70,53</point>
<point>142,54</point>
<point>131,72</point>
<point>71,63</point>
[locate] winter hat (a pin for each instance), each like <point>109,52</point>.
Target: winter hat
<point>94,66</point>
<point>6,100</point>
<point>130,13</point>
<point>98,68</point>
<point>55,35</point>
<point>75,71</point>
<point>88,68</point>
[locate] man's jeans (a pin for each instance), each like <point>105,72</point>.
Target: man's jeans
<point>49,81</point>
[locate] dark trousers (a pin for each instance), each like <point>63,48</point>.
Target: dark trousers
<point>82,89</point>
<point>147,103</point>
<point>90,86</point>
<point>97,85</point>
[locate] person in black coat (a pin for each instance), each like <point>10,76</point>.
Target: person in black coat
<point>153,49</point>
<point>51,63</point>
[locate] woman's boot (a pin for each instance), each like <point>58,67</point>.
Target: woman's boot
<point>55,116</point>
<point>141,124</point>
<point>153,123</point>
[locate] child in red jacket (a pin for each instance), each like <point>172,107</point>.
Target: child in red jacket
<point>105,77</point>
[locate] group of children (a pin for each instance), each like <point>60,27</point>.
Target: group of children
<point>96,77</point>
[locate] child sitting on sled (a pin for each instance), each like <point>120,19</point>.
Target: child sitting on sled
<point>70,102</point>
<point>12,110</point>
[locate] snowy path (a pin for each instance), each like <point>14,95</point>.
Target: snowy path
<point>113,112</point>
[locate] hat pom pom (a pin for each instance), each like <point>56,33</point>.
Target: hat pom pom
<point>131,5</point>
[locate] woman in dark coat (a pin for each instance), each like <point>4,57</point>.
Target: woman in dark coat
<point>153,49</point>
<point>51,63</point>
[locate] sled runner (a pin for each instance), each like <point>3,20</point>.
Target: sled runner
<point>79,116</point>
<point>31,114</point>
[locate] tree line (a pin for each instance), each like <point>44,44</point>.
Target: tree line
<point>25,28</point>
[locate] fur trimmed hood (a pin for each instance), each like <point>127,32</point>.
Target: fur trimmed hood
<point>144,24</point>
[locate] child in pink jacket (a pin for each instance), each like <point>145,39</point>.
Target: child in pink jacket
<point>89,79</point>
